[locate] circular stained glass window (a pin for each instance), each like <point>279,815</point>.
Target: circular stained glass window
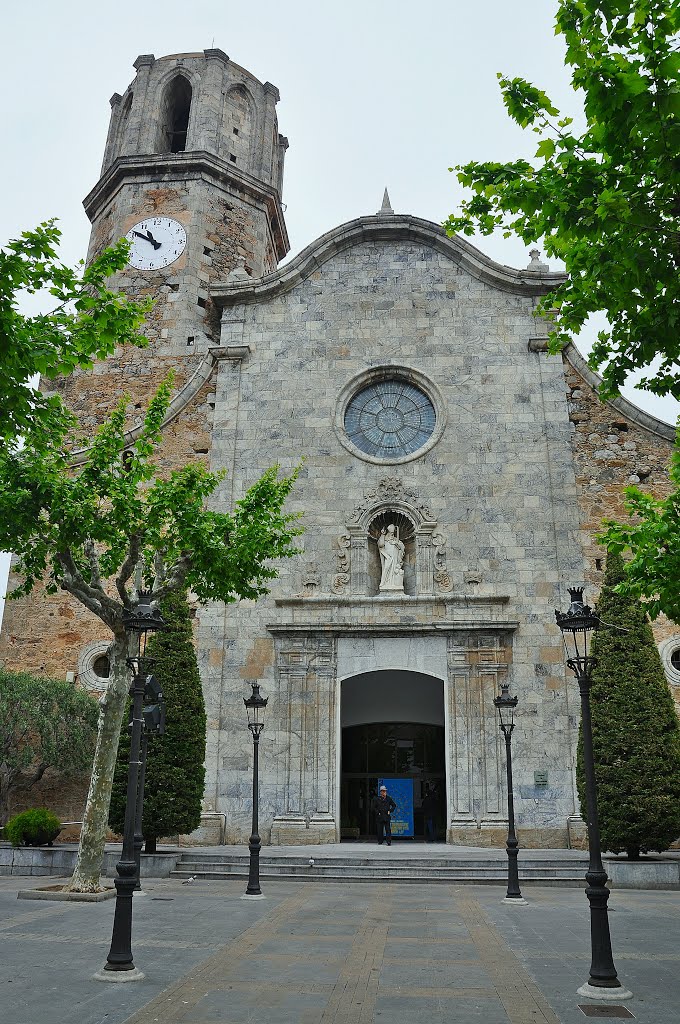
<point>390,419</point>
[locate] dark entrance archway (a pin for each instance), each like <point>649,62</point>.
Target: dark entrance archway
<point>392,728</point>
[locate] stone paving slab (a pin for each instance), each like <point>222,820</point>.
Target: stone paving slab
<point>344,954</point>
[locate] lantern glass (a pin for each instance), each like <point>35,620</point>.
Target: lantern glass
<point>255,707</point>
<point>577,624</point>
<point>145,618</point>
<point>505,705</point>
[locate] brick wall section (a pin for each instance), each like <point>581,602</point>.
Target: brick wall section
<point>65,797</point>
<point>613,450</point>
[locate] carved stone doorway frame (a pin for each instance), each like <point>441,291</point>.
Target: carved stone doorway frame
<point>475,657</point>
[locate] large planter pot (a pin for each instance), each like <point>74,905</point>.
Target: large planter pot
<point>43,838</point>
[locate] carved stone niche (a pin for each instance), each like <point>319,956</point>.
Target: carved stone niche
<point>358,570</point>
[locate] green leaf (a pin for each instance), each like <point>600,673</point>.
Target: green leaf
<point>546,149</point>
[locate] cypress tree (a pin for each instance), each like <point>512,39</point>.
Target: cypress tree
<point>636,732</point>
<point>175,770</point>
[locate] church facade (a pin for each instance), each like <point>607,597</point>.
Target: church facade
<point>453,476</point>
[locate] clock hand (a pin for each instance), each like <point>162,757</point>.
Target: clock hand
<point>153,241</point>
<point>148,237</point>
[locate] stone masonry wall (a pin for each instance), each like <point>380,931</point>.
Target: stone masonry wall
<point>499,484</point>
<point>615,445</point>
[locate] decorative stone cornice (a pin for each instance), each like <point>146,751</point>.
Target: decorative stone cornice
<point>324,614</point>
<point>386,227</point>
<point>622,405</point>
<point>160,167</point>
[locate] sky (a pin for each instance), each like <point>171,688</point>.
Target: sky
<point>374,94</point>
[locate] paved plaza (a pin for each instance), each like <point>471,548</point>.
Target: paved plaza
<point>314,952</point>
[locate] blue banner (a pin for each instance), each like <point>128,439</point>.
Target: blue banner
<point>401,791</point>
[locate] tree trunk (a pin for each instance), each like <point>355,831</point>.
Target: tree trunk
<point>150,844</point>
<point>4,799</point>
<point>8,779</point>
<point>96,818</point>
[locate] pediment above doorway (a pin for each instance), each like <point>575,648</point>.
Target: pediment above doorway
<point>418,616</point>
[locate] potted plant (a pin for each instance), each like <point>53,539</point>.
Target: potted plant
<point>36,827</point>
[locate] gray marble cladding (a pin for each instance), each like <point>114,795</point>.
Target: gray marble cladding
<point>498,486</point>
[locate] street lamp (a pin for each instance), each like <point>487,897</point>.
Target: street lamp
<point>505,705</point>
<point>143,619</point>
<point>255,706</point>
<point>153,714</point>
<point>577,625</point>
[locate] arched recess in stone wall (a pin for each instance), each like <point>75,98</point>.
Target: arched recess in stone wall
<point>173,124</point>
<point>392,695</point>
<point>425,556</point>
<point>239,127</point>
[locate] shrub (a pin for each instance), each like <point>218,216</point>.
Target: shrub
<point>33,828</point>
<point>636,733</point>
<point>175,772</point>
<point>45,725</point>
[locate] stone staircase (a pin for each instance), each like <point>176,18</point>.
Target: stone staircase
<point>366,863</point>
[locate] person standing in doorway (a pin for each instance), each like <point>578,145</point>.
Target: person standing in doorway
<point>383,806</point>
<point>429,815</point>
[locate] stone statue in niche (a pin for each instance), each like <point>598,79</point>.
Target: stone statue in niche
<point>391,559</point>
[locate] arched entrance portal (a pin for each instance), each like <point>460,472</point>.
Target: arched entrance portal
<point>392,725</point>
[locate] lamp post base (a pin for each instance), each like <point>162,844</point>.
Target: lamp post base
<point>611,995</point>
<point>518,900</point>
<point>133,975</point>
<point>253,896</point>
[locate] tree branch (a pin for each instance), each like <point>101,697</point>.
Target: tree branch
<point>98,594</point>
<point>96,600</point>
<point>175,578</point>
<point>38,774</point>
<point>93,559</point>
<point>158,570</point>
<point>128,567</point>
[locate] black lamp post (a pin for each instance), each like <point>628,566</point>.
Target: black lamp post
<point>255,706</point>
<point>505,705</point>
<point>577,625</point>
<point>153,715</point>
<point>144,619</point>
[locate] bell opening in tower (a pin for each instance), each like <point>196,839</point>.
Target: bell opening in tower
<point>392,726</point>
<point>175,116</point>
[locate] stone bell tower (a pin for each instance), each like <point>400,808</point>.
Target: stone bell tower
<point>192,175</point>
<point>195,136</point>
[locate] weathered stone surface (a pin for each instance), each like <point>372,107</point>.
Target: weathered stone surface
<point>499,506</point>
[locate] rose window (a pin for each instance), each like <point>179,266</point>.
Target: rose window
<point>390,419</point>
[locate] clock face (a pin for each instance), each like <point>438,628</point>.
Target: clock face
<point>156,243</point>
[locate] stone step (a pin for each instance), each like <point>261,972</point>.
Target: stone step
<point>543,868</point>
<point>393,871</point>
<point>383,866</point>
<point>380,875</point>
<point>315,872</point>
<point>386,859</point>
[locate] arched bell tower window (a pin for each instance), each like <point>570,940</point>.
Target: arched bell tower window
<point>175,110</point>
